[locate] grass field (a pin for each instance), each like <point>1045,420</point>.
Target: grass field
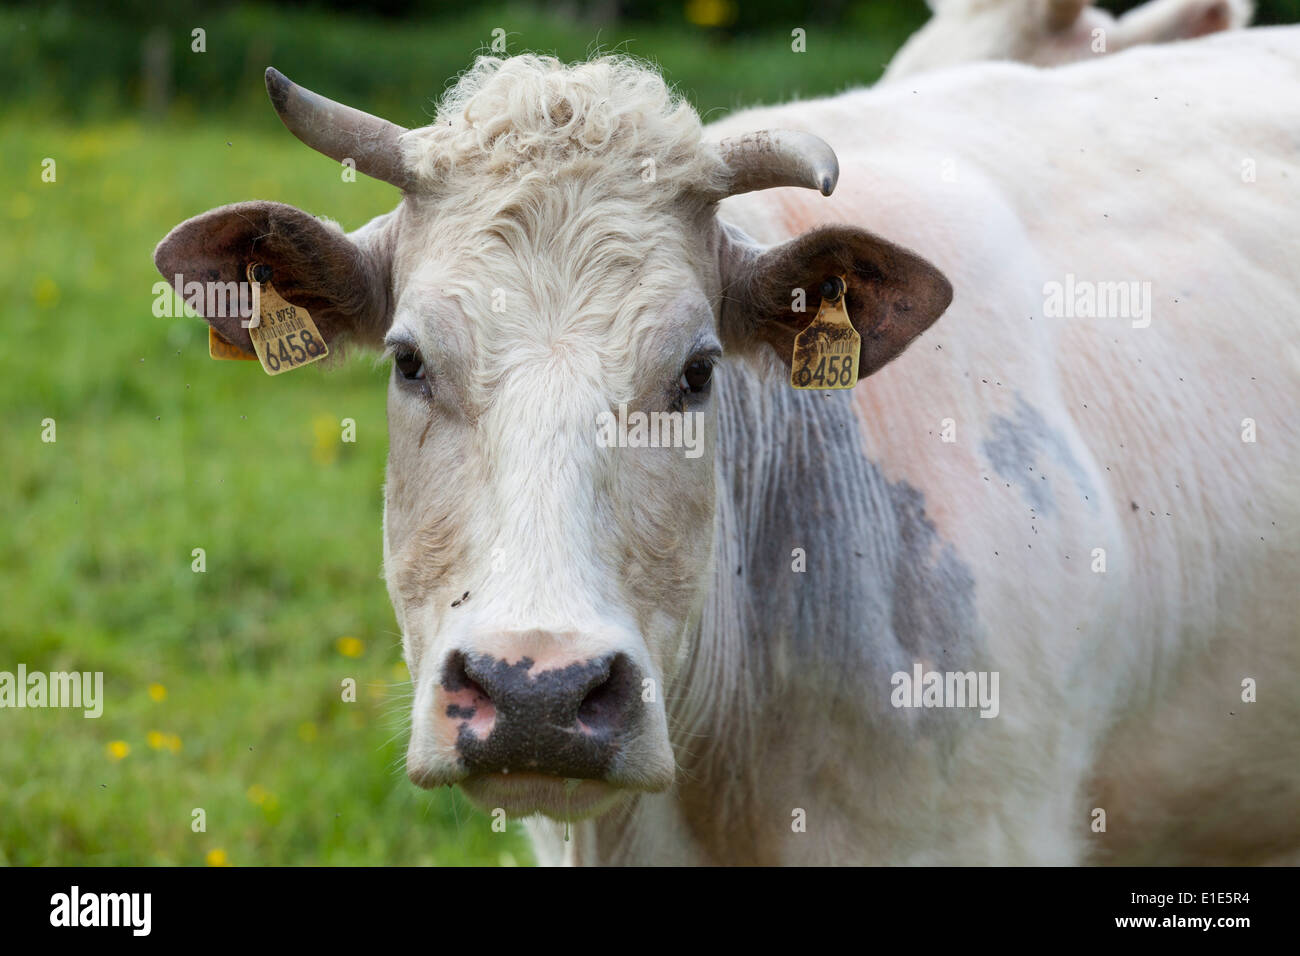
<point>223,688</point>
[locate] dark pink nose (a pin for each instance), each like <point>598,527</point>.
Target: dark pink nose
<point>568,721</point>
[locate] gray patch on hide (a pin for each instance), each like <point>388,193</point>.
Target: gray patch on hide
<point>1022,447</point>
<point>933,588</point>
<point>882,589</point>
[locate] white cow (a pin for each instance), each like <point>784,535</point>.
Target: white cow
<point>1074,499</point>
<point>1053,32</point>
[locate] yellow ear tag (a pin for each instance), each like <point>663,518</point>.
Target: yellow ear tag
<point>283,334</point>
<point>219,348</point>
<point>826,353</point>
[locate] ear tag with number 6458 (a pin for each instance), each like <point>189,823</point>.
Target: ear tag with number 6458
<point>283,334</point>
<point>826,352</point>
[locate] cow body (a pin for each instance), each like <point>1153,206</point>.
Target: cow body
<point>1076,487</point>
<point>1120,690</point>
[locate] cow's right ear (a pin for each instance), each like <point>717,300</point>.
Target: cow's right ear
<point>343,280</point>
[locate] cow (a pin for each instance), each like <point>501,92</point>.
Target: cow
<point>1053,32</point>
<point>1027,594</point>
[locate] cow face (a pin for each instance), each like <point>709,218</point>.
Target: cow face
<point>558,299</point>
<point>1054,32</point>
<point>550,485</point>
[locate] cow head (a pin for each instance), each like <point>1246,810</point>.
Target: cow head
<point>554,270</point>
<point>1054,32</point>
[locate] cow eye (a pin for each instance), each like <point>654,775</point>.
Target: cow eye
<point>409,365</point>
<point>696,376</point>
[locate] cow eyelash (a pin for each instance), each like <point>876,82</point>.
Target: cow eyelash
<point>408,363</point>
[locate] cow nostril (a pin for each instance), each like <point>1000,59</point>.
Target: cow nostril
<point>606,705</point>
<point>456,679</point>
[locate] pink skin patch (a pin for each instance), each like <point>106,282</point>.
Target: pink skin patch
<point>468,708</point>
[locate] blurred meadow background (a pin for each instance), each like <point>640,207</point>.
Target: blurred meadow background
<point>223,688</point>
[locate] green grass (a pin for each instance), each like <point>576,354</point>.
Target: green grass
<point>160,451</point>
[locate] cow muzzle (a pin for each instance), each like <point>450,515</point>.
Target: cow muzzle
<point>533,730</point>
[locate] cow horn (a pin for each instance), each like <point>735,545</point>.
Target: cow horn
<point>779,157</point>
<point>338,131</point>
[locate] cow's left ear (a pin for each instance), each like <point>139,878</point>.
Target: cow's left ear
<point>893,295</point>
<point>342,279</point>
